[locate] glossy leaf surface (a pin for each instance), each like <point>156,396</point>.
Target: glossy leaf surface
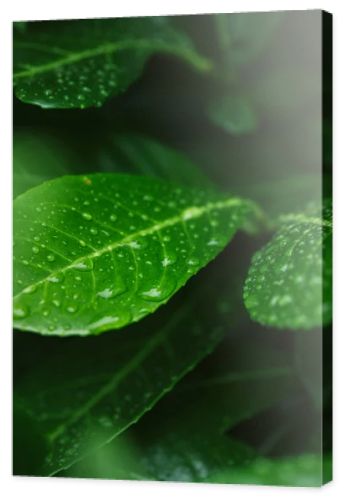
<point>90,390</point>
<point>97,253</point>
<point>289,281</point>
<point>183,438</point>
<point>78,64</point>
<point>81,393</point>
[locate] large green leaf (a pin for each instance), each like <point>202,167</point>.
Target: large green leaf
<point>77,64</point>
<point>289,281</point>
<point>87,391</point>
<point>183,438</point>
<point>76,394</point>
<point>97,253</point>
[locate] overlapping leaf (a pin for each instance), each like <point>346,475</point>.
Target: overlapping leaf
<point>183,439</point>
<point>97,253</point>
<point>289,281</point>
<point>88,391</point>
<point>303,470</point>
<point>233,113</point>
<point>143,155</point>
<point>40,156</point>
<point>77,64</point>
<point>75,394</point>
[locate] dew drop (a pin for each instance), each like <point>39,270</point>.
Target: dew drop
<point>72,309</point>
<point>134,244</point>
<point>87,216</point>
<point>105,294</point>
<point>94,231</point>
<point>20,312</point>
<point>85,265</point>
<point>160,292</point>
<point>56,278</point>
<point>35,250</point>
<point>50,257</point>
<point>193,261</point>
<point>113,217</point>
<point>213,243</point>
<point>30,289</point>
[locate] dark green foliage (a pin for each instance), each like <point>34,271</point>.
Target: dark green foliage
<point>287,285</point>
<point>176,213</point>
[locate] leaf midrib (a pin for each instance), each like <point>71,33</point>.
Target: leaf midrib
<point>110,48</point>
<point>178,219</point>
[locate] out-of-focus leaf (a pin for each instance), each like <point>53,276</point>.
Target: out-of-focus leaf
<point>38,157</point>
<point>183,438</point>
<point>81,63</point>
<point>243,36</point>
<point>233,113</point>
<point>99,252</point>
<point>289,281</point>
<point>90,390</point>
<point>304,470</point>
<point>137,154</point>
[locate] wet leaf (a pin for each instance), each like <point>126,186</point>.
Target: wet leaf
<point>82,393</point>
<point>289,281</point>
<point>99,252</point>
<point>87,391</point>
<point>81,63</point>
<point>183,438</point>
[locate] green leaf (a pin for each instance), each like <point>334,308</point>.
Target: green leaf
<point>81,393</point>
<point>142,155</point>
<point>78,64</point>
<point>87,391</point>
<point>182,438</point>
<point>233,113</point>
<point>243,36</point>
<point>38,157</point>
<point>304,470</point>
<point>289,281</point>
<point>97,253</point>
